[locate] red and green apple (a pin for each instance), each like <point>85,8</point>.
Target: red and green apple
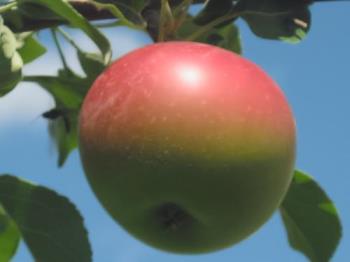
<point>188,146</point>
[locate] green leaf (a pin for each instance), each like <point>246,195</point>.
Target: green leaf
<point>9,236</point>
<point>10,61</point>
<point>227,36</point>
<point>291,26</point>
<point>91,63</point>
<point>66,11</point>
<point>9,81</point>
<point>49,223</point>
<point>30,48</point>
<point>311,219</point>
<point>287,20</point>
<point>62,90</point>
<point>67,88</point>
<point>132,19</point>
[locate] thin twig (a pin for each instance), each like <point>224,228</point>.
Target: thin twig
<point>59,49</point>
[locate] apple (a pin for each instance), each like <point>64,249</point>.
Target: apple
<point>188,146</point>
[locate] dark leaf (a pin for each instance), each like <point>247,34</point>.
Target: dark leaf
<point>37,11</point>
<point>226,36</point>
<point>128,12</point>
<point>311,219</point>
<point>49,223</point>
<point>9,236</point>
<point>287,20</point>
<point>290,27</point>
<point>54,113</point>
<point>9,81</point>
<point>63,130</point>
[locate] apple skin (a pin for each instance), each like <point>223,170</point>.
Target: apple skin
<point>188,146</point>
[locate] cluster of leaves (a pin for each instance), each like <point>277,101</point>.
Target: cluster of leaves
<point>40,216</point>
<point>49,224</point>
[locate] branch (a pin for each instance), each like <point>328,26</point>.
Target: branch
<point>20,23</point>
<point>86,9</point>
<point>331,1</point>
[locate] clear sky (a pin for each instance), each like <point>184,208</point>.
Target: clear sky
<point>315,76</point>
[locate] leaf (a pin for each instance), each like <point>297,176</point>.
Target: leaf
<point>272,6</point>
<point>9,236</point>
<point>66,11</point>
<point>131,10</point>
<point>118,9</point>
<point>287,20</point>
<point>311,219</point>
<point>30,49</point>
<point>67,88</point>
<point>91,63</point>
<point>225,36</point>
<point>50,224</point>
<point>63,130</point>
<point>9,81</point>
<point>10,61</point>
<point>61,89</point>
<point>291,27</point>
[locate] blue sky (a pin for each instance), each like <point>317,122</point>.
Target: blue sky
<point>315,76</point>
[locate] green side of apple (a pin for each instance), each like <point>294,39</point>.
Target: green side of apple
<point>189,205</point>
